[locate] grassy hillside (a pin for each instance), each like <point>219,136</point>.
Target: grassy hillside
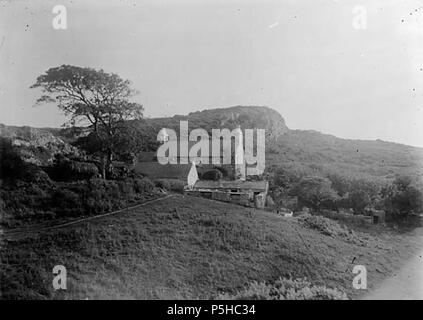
<point>314,151</point>
<point>188,247</point>
<point>305,150</point>
<point>293,149</point>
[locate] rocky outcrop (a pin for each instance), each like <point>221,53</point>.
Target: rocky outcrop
<point>248,117</point>
<point>37,146</point>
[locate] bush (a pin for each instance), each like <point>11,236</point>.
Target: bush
<point>331,228</point>
<point>11,164</point>
<point>286,289</point>
<point>402,197</point>
<point>13,168</point>
<point>24,201</point>
<point>283,178</point>
<point>66,202</point>
<point>36,175</point>
<point>64,169</point>
<point>315,192</point>
<point>162,183</point>
<point>125,189</point>
<point>359,200</point>
<point>175,185</point>
<point>107,195</point>
<point>97,199</point>
<point>214,175</point>
<point>143,185</point>
<point>324,225</point>
<point>346,218</point>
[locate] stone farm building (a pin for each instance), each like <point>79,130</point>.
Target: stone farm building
<point>246,193</point>
<point>233,188</point>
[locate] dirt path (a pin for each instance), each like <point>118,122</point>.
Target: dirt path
<point>406,283</point>
<point>20,233</point>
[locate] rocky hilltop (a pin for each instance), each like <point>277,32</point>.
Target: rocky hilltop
<point>249,117</point>
<point>296,150</point>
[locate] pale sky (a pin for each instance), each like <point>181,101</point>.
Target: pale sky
<point>304,58</point>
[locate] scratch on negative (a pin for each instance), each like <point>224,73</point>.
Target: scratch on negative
<point>2,42</point>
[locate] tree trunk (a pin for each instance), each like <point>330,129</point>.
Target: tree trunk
<point>103,166</point>
<point>109,165</point>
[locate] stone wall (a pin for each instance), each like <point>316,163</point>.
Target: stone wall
<point>246,199</point>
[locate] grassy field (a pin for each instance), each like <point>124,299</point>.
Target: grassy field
<point>185,247</point>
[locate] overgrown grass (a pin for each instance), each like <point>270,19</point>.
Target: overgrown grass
<point>286,289</point>
<point>186,247</point>
<point>174,185</point>
<point>25,202</point>
<point>345,231</point>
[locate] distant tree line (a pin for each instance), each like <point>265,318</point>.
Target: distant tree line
<point>398,197</point>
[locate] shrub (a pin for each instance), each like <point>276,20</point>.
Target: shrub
<point>13,167</point>
<point>97,199</point>
<point>214,175</point>
<point>283,178</point>
<point>66,202</point>
<point>323,225</point>
<point>359,200</point>
<point>286,289</point>
<point>34,174</point>
<point>402,197</point>
<point>176,185</point>
<point>125,189</point>
<point>345,218</point>
<point>315,192</point>
<point>23,201</point>
<point>143,185</point>
<point>82,170</point>
<point>64,169</point>
<point>11,164</point>
<point>331,228</point>
<point>162,183</point>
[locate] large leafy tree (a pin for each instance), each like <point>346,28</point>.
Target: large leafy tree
<point>403,196</point>
<point>315,192</point>
<point>97,100</point>
<point>358,200</point>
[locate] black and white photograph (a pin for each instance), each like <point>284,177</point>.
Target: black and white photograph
<point>211,150</point>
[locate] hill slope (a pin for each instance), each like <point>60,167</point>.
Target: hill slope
<point>327,154</point>
<point>187,247</point>
<point>307,150</point>
<point>295,149</point>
